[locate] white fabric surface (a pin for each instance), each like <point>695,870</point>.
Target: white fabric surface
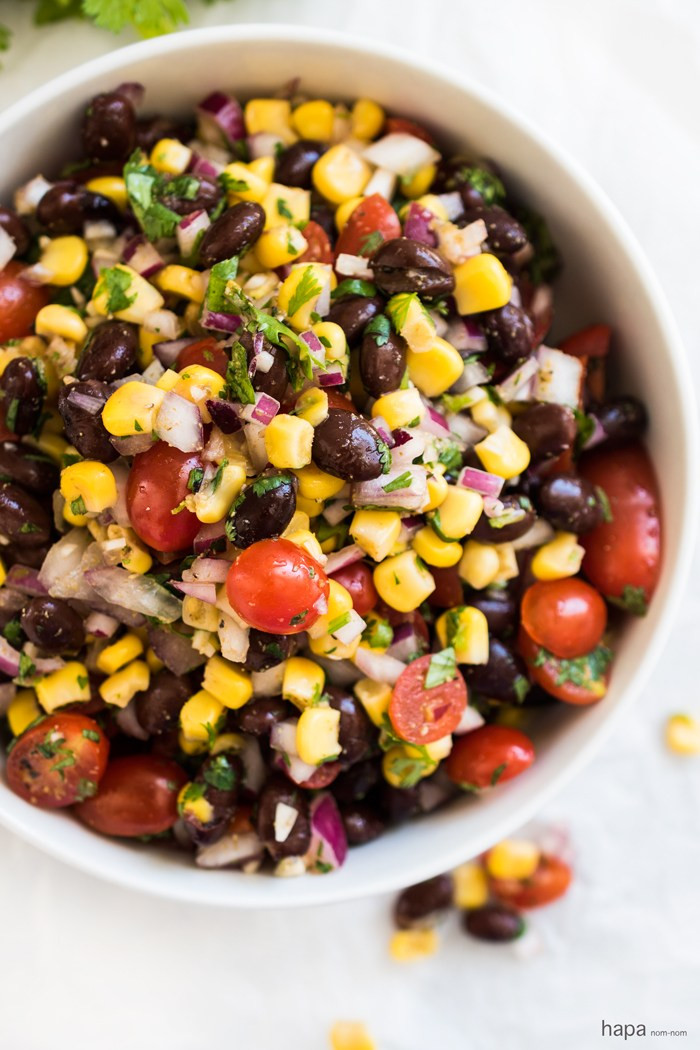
<point>88,965</point>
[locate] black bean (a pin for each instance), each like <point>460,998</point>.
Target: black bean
<point>279,789</point>
<point>33,557</point>
<point>110,352</point>
<point>493,922</point>
<point>547,430</point>
<point>354,784</point>
<point>28,468</point>
<point>356,733</point>
<point>294,164</point>
<point>362,823</point>
<point>22,392</point>
<point>348,447</point>
<point>325,217</point>
<point>492,530</point>
<point>109,128</point>
<point>158,708</point>
<point>505,234</point>
<point>353,313</point>
<point>22,518</point>
<point>233,233</point>
<point>259,715</point>
<point>273,382</point>
<point>509,332</point>
<point>504,677</point>
<point>85,428</point>
<point>382,364</point>
<point>268,650</point>
<point>420,905</point>
<point>206,197</point>
<point>263,509</point>
<point>67,206</point>
<point>622,418</point>
<point>571,504</point>
<point>405,265</point>
<point>218,779</point>
<point>499,607</point>
<point>150,130</point>
<point>17,229</point>
<point>399,804</point>
<point>53,625</point>
<point>452,175</point>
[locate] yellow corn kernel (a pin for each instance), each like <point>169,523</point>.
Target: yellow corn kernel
<point>136,558</point>
<point>513,859</point>
<point>312,406</point>
<point>200,716</point>
<point>682,734</point>
<point>288,441</point>
<point>367,119</point>
<point>306,539</point>
<point>51,445</point>
<point>489,416</point>
<point>60,320</point>
<point>171,156</point>
<point>433,204</point>
<point>376,531</point>
<point>311,507</point>
<point>459,512</point>
<point>314,120</point>
<point>170,379</point>
<point>132,409</point>
<point>111,186</point>
<point>434,551</point>
<point>286,204</point>
<point>271,115</point>
<point>212,504</point>
<point>181,281</point>
<point>315,484</point>
<point>340,174</point>
<point>78,520</point>
<point>351,1035</point>
<point>333,338</point>
<point>119,654</point>
<point>503,453</point>
<point>479,565</point>
<point>263,167</point>
<point>244,184</point>
<point>344,211</point>
<point>64,259</point>
<point>228,742</point>
<point>190,747</point>
<point>23,710</point>
<point>339,603</point>
<point>121,687</point>
<point>434,371</point>
<point>403,770</point>
<point>199,614</point>
<point>434,751</point>
<point>91,483</point>
<point>279,246</point>
<point>471,887</point>
<point>375,697</point>
<point>198,384</point>
<point>401,408</point>
<point>317,734</point>
<point>417,184</point>
<point>68,685</point>
<point>559,558</point>
<point>194,805</point>
<point>227,682</point>
<point>3,572</point>
<point>466,629</point>
<point>332,649</point>
<point>403,582</point>
<point>481,283</point>
<point>147,340</point>
<point>409,945</point>
<point>507,563</point>
<point>412,321</point>
<point>437,492</point>
<point>303,681</point>
<point>155,664</point>
<point>143,297</point>
<point>305,282</point>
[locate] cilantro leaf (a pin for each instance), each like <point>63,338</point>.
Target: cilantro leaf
<point>484,182</point>
<point>338,622</point>
<point>231,184</point>
<point>144,186</point>
<point>442,668</point>
<point>26,666</point>
<point>354,286</point>
<point>371,242</point>
<point>606,508</point>
<point>633,600</point>
<point>195,479</point>
<point>238,381</point>
<point>220,774</point>
<point>264,484</point>
<point>306,290</point>
<point>546,261</point>
<point>219,277</point>
<point>115,283</point>
<point>380,328</point>
<point>283,209</point>
<point>402,482</point>
<point>378,633</point>
<point>147,17</point>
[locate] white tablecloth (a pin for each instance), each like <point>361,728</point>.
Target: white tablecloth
<point>88,965</point>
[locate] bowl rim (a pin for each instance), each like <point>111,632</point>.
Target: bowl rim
<point>388,879</point>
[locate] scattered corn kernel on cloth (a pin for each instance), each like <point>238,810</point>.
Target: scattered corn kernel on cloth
<point>617,85</point>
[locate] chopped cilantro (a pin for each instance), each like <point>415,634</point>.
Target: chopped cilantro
<point>605,506</point>
<point>91,734</point>
<point>77,506</point>
<point>633,600</point>
<point>338,622</point>
<point>378,633</point>
<point>83,681</point>
<point>442,668</point>
<point>145,186</point>
<point>195,479</point>
<point>585,425</point>
<point>498,773</point>
<point>11,415</point>
<point>26,666</point>
<point>283,209</point>
<point>354,286</point>
<point>219,277</point>
<point>380,328</point>
<point>192,793</point>
<point>521,687</point>
<point>220,774</point>
<point>384,456</point>
<point>233,185</point>
<point>13,632</point>
<point>298,618</point>
<point>238,381</point>
<point>29,526</point>
<point>371,242</point>
<point>450,455</point>
<point>306,290</point>
<point>86,789</point>
<point>546,261</point>
<point>115,283</point>
<point>267,483</point>
<point>137,427</point>
<point>216,480</point>
<point>584,671</point>
<point>274,649</point>
<point>484,182</point>
<point>402,482</point>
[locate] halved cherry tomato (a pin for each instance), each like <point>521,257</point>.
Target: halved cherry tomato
<point>449,590</point>
<point>568,616</point>
<point>623,556</point>
<point>589,342</point>
<point>489,755</point>
<point>137,796</point>
<point>357,579</point>
<point>394,125</point>
<point>421,715</point>
<point>319,246</point>
<point>550,881</point>
<point>277,587</point>
<point>205,352</point>
<point>373,216</point>
<point>58,761</point>
<point>20,302</point>
<point>582,680</point>
<point>157,485</point>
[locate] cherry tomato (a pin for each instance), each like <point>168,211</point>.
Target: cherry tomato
<point>449,590</point>
<point>589,342</point>
<point>623,556</point>
<point>276,586</point>
<point>408,127</point>
<point>137,796</point>
<point>58,761</point>
<point>489,755</point>
<point>20,302</point>
<point>422,715</point>
<point>373,216</point>
<point>568,617</point>
<point>581,681</point>
<point>550,881</point>
<point>319,246</point>
<point>357,579</point>
<point>205,352</point>
<point>336,400</point>
<point>157,485</point>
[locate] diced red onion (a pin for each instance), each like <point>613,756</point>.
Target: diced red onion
<point>471,719</point>
<point>263,144</point>
<point>412,523</point>
<point>140,594</point>
<point>401,153</point>
<point>220,115</point>
<point>7,247</point>
<point>434,423</point>
<point>465,335</point>
<point>133,444</point>
<point>127,720</point>
<point>481,481</point>
<point>411,497</point>
<point>87,402</point>
<point>407,642</point>
<point>100,625</point>
<point>509,388</point>
<point>293,767</point>
<point>46,665</point>
<point>382,427</point>
<point>175,650</point>
<point>329,845</point>
<point>208,536</point>
<point>203,592</point>
<point>331,376</point>
<point>189,229</point>
<point>9,658</point>
<point>8,691</point>
<point>338,560</point>
<point>25,580</point>
<point>464,428</point>
<point>207,570</point>
<point>132,91</point>
<point>220,322</point>
<point>379,666</point>
<point>263,411</point>
<point>405,451</point>
<point>314,344</point>
<point>142,256</point>
<point>200,165</point>
<point>262,361</point>
<point>453,204</point>
<point>559,377</point>
<point>418,225</point>
<point>179,423</point>
<point>354,266</point>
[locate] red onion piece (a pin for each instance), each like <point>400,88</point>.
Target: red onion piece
<point>341,559</point>
<point>208,537</point>
<point>407,642</point>
<point>204,592</point>
<point>168,351</point>
<point>465,335</point>
<point>418,225</point>
<point>93,405</point>
<point>189,229</point>
<point>314,344</point>
<point>179,423</point>
<point>329,845</point>
<point>220,322</point>
<point>142,256</point>
<point>224,414</point>
<point>263,411</point>
<point>382,427</point>
<point>207,570</point>
<point>219,114</point>
<point>513,384</point>
<point>9,658</point>
<point>434,423</point>
<point>411,496</point>
<point>175,650</point>
<point>132,445</point>
<point>471,719</point>
<point>127,720</point>
<point>333,376</point>
<point>25,580</point>
<point>100,625</point>
<point>263,144</point>
<point>200,165</point>
<point>481,481</point>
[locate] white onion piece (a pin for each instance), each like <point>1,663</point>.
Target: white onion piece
<point>152,373</point>
<point>354,266</point>
<point>465,428</point>
<point>137,593</point>
<point>336,511</point>
<point>541,532</point>
<point>283,736</point>
<point>98,230</point>
<point>453,204</point>
<point>339,672</point>
<point>165,323</point>
<point>559,377</point>
<point>402,455</point>
<point>401,153</point>
<point>28,196</point>
<point>179,423</point>
<point>382,182</point>
<point>203,592</point>
<point>231,850</point>
<point>379,666</point>
<point>471,719</point>
<point>7,247</point>
<point>101,625</point>
<point>264,144</point>
<point>340,559</point>
<point>411,496</point>
<point>254,771</point>
<point>289,868</point>
<point>285,819</point>
<point>233,638</point>
<point>207,570</point>
<point>510,387</point>
<point>254,434</point>
<point>264,361</point>
<point>459,244</point>
<point>474,374</point>
<point>350,630</point>
<point>269,682</point>
<point>189,229</point>
<point>61,571</point>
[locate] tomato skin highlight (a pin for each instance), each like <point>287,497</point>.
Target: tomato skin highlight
<point>548,883</point>
<point>20,302</point>
<point>567,616</point>
<point>157,484</point>
<point>357,580</point>
<point>593,341</point>
<point>277,587</point>
<point>625,552</point>
<point>53,763</point>
<point>205,352</point>
<point>477,757</point>
<point>373,215</point>
<point>137,796</point>
<point>419,715</point>
<point>319,246</point>
<point>449,590</point>
<point>548,674</point>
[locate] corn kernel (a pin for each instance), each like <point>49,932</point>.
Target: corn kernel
<point>213,502</point>
<point>417,184</point>
<point>412,321</point>
<point>559,558</point>
<point>142,296</point>
<point>288,441</point>
<point>64,259</point>
<point>3,572</point>
<point>434,551</point>
<point>409,945</point>
<point>503,453</point>
<point>121,687</point>
<point>312,406</point>
<point>340,174</point>
<point>317,735</point>
<point>227,682</point>
<point>263,167</point>
<point>339,603</point>
<point>306,281</point>
<point>286,204</point>
<point>313,508</point>
<point>471,887</point>
<point>190,747</point>
<point>329,646</point>
<point>437,492</point>
<point>132,409</point>
<point>303,681</point>
<point>401,408</point>
<point>314,120</point>
<point>118,654</point>
<point>344,211</point>
<point>513,859</point>
<point>90,484</point>
<point>489,416</point>
<point>111,186</point>
<point>155,664</point>
<point>306,539</point>
<point>228,742</point>
<point>79,520</point>
<point>60,320</point>
<point>314,483</point>
<point>198,384</point>
<point>333,338</point>
<point>171,156</point>
<point>683,735</point>
<point>68,685</point>
<point>376,531</point>
<point>147,340</point>
<point>458,513</point>
<point>434,205</point>
<point>507,563</point>
<point>374,697</point>
<point>403,582</point>
<point>434,371</point>
<point>479,565</point>
<point>242,183</point>
<point>181,281</point>
<point>351,1035</point>
<point>270,115</point>
<point>367,119</point>
<point>23,710</point>
<point>279,246</point>
<point>194,805</point>
<point>136,558</point>
<point>481,283</point>
<point>199,614</point>
<point>200,716</point>
<point>466,629</point>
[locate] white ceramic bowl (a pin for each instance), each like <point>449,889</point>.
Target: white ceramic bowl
<point>606,278</point>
